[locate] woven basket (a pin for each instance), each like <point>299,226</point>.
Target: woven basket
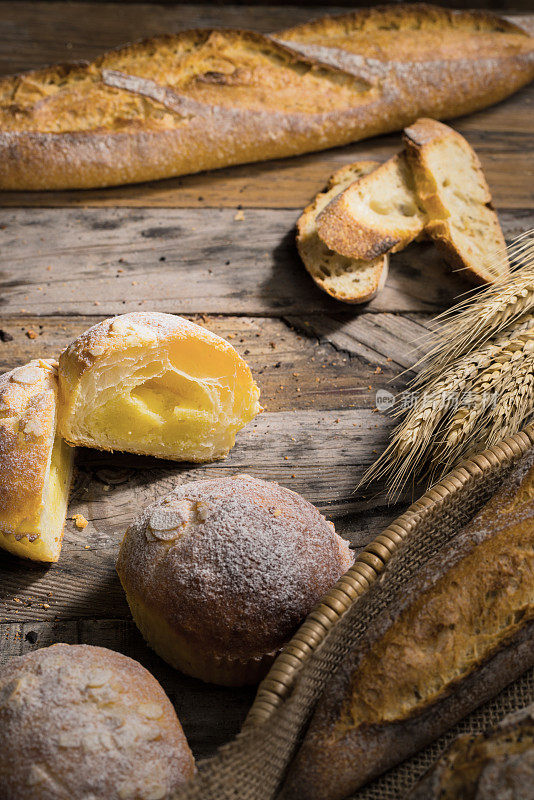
<point>368,566</point>
<point>252,767</point>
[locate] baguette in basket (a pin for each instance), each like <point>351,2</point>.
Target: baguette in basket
<point>458,633</point>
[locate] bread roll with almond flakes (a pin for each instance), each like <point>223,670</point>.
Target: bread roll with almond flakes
<point>82,722</point>
<point>35,463</point>
<point>219,574</point>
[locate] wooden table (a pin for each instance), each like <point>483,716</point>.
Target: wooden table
<point>71,258</point>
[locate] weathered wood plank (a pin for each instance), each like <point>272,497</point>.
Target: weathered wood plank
<point>293,369</point>
<point>107,261</point>
<point>382,339</point>
<point>210,715</point>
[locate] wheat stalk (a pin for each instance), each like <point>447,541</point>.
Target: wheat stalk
<point>478,385</point>
<point>494,390</point>
<point>473,320</point>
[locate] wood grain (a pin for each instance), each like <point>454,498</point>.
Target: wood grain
<point>67,259</point>
<point>108,261</point>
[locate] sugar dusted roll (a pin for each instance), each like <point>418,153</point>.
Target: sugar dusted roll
<point>219,574</point>
<point>83,722</point>
<point>155,384</point>
<point>35,463</point>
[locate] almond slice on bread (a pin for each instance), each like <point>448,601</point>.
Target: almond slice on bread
<point>348,279</point>
<point>376,215</point>
<point>453,191</point>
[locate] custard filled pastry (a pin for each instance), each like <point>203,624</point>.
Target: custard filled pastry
<point>87,723</point>
<point>219,574</point>
<point>35,463</point>
<point>155,384</point>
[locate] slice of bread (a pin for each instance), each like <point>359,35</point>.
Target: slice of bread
<point>452,189</point>
<point>348,279</point>
<point>378,214</point>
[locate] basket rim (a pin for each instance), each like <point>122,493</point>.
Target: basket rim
<point>366,569</point>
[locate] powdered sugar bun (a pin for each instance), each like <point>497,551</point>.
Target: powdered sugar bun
<point>219,574</point>
<point>82,722</point>
<point>35,464</point>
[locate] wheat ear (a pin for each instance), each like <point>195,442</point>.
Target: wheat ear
<point>485,348</point>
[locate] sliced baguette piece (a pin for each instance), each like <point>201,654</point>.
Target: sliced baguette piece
<point>453,637</point>
<point>347,279</point>
<point>378,214</point>
<point>453,191</point>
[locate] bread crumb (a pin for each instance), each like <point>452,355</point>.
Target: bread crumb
<point>80,521</point>
<point>240,216</point>
<point>30,333</point>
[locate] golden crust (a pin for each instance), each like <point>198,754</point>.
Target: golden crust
<point>82,721</point>
<point>28,412</point>
<point>28,396</point>
<point>459,632</point>
<point>230,567</point>
<point>453,191</point>
<point>496,763</point>
<point>207,99</point>
<point>146,337</point>
<point>348,280</point>
<point>376,215</point>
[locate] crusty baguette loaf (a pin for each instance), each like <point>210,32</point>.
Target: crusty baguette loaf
<point>498,763</point>
<point>350,280</point>
<point>378,214</point>
<point>456,635</point>
<point>453,191</point>
<point>205,99</point>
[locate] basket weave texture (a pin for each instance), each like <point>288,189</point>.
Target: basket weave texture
<point>252,767</point>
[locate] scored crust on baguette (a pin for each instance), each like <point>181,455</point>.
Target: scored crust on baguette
<point>452,638</point>
<point>350,280</point>
<point>407,33</point>
<point>378,214</point>
<point>154,384</point>
<point>35,463</point>
<point>205,99</point>
<point>454,193</point>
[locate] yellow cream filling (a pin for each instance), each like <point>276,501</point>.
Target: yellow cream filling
<point>168,412</point>
<point>47,525</point>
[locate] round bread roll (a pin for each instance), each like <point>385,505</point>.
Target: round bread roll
<point>220,573</point>
<point>82,722</point>
<point>35,463</point>
<point>155,384</point>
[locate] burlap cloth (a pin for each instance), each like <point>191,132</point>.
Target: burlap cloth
<point>252,767</point>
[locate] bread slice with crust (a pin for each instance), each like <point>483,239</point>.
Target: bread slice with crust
<point>453,191</point>
<point>378,214</point>
<point>348,279</point>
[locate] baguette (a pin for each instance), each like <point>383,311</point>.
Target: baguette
<point>378,214</point>
<point>498,763</point>
<point>457,634</point>
<point>350,280</point>
<point>453,191</point>
<point>204,99</point>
